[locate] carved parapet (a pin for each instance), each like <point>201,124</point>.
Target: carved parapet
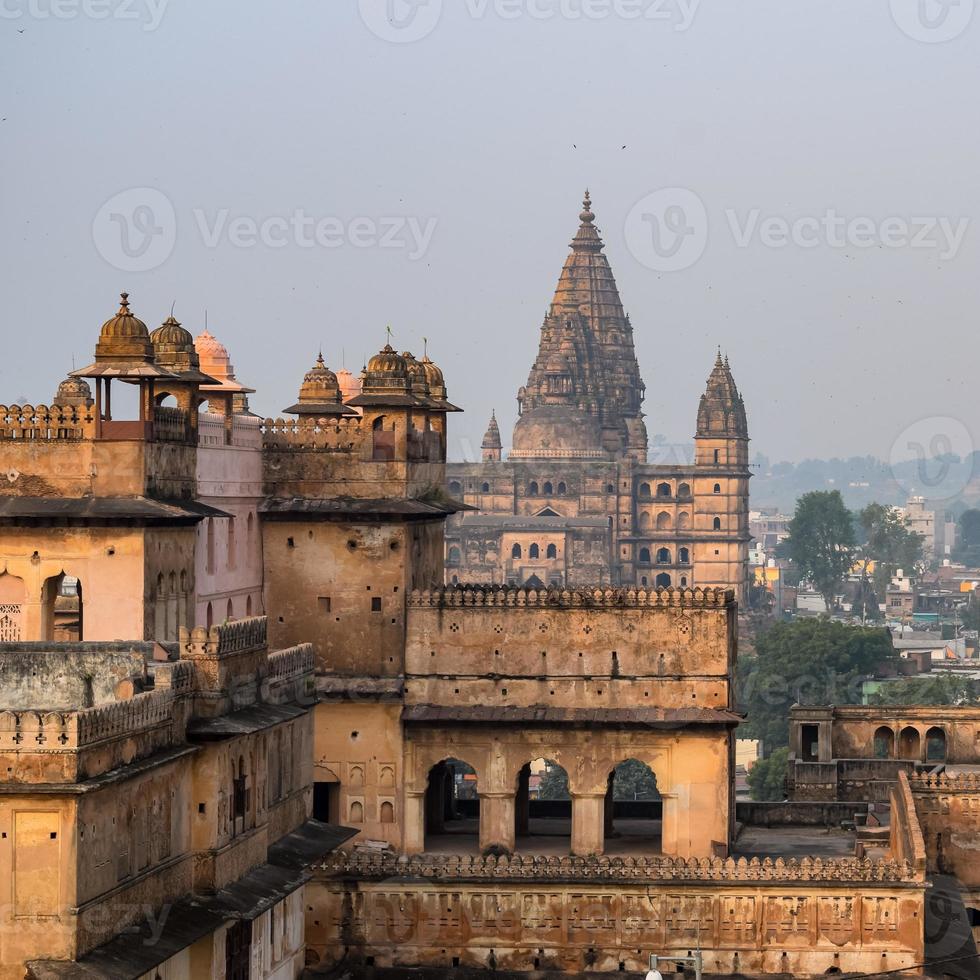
<point>341,435</point>
<point>44,423</point>
<point>170,424</point>
<point>505,596</point>
<point>36,731</point>
<point>963,782</point>
<point>239,636</point>
<point>638,869</point>
<point>176,676</point>
<point>291,663</point>
<point>124,718</point>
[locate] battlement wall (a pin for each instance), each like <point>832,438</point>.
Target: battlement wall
<point>571,648</point>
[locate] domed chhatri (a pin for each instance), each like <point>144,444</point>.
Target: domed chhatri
<point>173,349</point>
<point>350,384</point>
<point>215,362</point>
<point>386,378</point>
<point>320,394</point>
<point>418,383</point>
<point>124,349</point>
<point>73,392</point>
<point>437,385</point>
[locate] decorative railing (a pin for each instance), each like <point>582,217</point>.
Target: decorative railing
<point>242,635</point>
<point>246,431</point>
<point>642,870</point>
<point>336,435</point>
<point>210,429</point>
<point>557,454</point>
<point>480,595</point>
<point>44,423</point>
<point>177,676</point>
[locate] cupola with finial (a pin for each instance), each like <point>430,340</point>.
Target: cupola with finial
<point>492,446</point>
<point>319,394</point>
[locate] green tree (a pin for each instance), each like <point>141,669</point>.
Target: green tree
<point>939,689</point>
<point>821,541</point>
<point>554,784</point>
<point>885,541</point>
<point>967,548</point>
<point>808,661</point>
<point>634,781</point>
<point>767,778</point>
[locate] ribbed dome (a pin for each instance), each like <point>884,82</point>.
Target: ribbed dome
<point>73,391</point>
<point>170,332</point>
<point>208,346</point>
<point>124,337</point>
<point>319,393</point>
<point>387,361</point>
<point>433,373</point>
<point>416,375</point>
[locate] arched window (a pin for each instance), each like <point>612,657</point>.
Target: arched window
<point>663,520</point>
<point>210,616</point>
<point>644,556</point>
<point>231,542</point>
<point>643,580</point>
<point>884,743</point>
<point>684,581</point>
<point>455,486</point>
<point>250,533</point>
<point>716,524</point>
<point>534,551</point>
<point>562,489</point>
<point>684,556</point>
<point>485,488</point>
<point>684,490</point>
<point>248,606</point>
<point>683,520</point>
<point>644,489</point>
<point>935,745</point>
<point>548,488</point>
<point>663,581</point>
<point>387,812</point>
<point>210,551</point>
<point>454,555</point>
<point>663,556</point>
<point>908,743</point>
<point>516,552</point>
<point>611,489</point>
<point>532,488</point>
<point>552,551</point>
<point>230,611</point>
<point>644,519</point>
<point>716,456</point>
<point>717,488</point>
<point>663,489</point>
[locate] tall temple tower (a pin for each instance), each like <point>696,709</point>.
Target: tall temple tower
<point>576,502</point>
<point>584,392</point>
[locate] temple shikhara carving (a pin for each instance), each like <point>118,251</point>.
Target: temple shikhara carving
<point>576,502</point>
<point>247,729</point>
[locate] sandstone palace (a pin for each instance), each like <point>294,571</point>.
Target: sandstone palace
<point>576,502</point>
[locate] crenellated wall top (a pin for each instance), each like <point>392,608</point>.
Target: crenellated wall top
<point>945,782</point>
<point>239,636</point>
<point>47,423</point>
<point>497,596</point>
<point>640,869</point>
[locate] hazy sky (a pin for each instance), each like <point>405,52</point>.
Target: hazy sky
<point>433,182</point>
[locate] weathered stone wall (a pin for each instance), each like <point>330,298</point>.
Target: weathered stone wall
<point>794,918</point>
<point>948,807</point>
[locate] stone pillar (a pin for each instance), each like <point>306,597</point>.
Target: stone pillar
<point>497,823</point>
<point>609,808</point>
<point>413,824</point>
<point>588,823</point>
<point>522,804</point>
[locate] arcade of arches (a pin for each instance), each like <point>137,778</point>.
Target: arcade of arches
<point>567,791</point>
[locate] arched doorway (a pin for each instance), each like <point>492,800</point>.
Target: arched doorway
<point>12,596</point>
<point>884,743</point>
<point>452,808</point>
<point>633,811</point>
<point>663,581</point>
<point>909,743</point>
<point>61,598</point>
<point>543,808</point>
<point>935,745</point>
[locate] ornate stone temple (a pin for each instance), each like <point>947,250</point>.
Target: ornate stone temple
<point>576,502</point>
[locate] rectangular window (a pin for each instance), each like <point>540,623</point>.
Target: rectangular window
<point>323,602</point>
<point>376,604</point>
